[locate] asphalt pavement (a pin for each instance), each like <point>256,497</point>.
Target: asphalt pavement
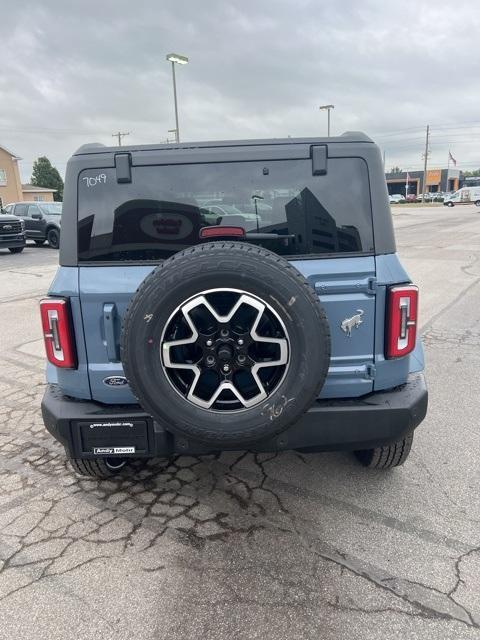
<point>244,546</point>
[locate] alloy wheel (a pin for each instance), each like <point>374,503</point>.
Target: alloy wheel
<point>225,350</point>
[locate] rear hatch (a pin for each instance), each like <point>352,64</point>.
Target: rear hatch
<point>291,199</point>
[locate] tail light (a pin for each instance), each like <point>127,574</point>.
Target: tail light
<point>58,332</point>
<point>402,310</point>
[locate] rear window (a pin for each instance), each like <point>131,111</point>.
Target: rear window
<point>279,203</point>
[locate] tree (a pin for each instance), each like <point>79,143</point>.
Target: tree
<point>472,174</point>
<point>44,175</point>
<point>395,170</point>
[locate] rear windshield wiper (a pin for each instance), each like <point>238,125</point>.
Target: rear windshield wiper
<point>256,235</point>
<point>239,233</point>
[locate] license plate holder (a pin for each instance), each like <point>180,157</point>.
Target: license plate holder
<point>113,437</point>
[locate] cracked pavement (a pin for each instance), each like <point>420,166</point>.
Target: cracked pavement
<point>242,545</point>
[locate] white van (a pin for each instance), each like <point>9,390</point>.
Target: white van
<point>465,195</point>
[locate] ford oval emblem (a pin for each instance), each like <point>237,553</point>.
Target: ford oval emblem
<point>115,381</point>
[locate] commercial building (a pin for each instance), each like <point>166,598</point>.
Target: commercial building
<point>471,181</point>
<point>437,180</point>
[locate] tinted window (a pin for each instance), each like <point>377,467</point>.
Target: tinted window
<point>280,204</point>
<point>21,209</point>
<point>33,209</point>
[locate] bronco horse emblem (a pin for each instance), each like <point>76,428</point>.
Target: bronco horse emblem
<point>352,323</point>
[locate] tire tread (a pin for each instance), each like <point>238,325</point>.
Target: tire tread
<point>92,468</point>
<point>388,456</point>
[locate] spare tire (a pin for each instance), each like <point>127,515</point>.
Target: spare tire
<point>225,343</point>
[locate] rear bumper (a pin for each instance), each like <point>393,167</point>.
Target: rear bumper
<point>90,429</point>
<point>13,241</point>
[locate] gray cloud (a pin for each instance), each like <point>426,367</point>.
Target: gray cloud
<point>76,72</point>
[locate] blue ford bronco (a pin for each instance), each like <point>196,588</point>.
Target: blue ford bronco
<point>230,295</point>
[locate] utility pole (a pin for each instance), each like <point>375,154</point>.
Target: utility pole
<point>425,156</point>
<point>120,135</point>
<point>177,130</point>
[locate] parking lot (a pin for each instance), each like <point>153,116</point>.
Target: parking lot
<point>240,545</point>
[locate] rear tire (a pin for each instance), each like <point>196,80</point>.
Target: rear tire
<point>53,238</point>
<point>477,203</point>
<point>16,249</point>
<point>100,468</point>
<point>449,204</point>
<point>387,457</point>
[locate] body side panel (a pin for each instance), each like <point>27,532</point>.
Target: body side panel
<point>344,288</point>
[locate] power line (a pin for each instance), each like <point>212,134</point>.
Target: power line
<point>398,132</point>
<point>456,137</point>
<point>462,124</point>
<point>447,125</point>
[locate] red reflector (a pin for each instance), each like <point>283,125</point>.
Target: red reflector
<point>58,332</point>
<point>222,232</point>
<point>401,320</point>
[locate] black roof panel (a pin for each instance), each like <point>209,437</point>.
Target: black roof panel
<point>347,137</point>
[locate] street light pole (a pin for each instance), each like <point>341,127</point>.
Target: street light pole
<point>175,58</point>
<point>327,108</point>
<point>177,130</point>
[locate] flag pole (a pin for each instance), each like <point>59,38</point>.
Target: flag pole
<point>448,171</point>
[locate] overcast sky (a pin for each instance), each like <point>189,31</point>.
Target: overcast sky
<point>75,72</point>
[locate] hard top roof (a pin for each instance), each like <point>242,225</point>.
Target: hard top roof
<point>347,137</point>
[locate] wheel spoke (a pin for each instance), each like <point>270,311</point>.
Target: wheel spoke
<point>281,342</point>
<point>226,386</point>
<point>166,346</point>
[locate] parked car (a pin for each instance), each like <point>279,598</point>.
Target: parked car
<point>397,198</point>
<point>12,232</point>
<point>42,220</point>
<point>466,195</point>
<point>411,197</point>
<point>427,197</point>
<point>170,334</point>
